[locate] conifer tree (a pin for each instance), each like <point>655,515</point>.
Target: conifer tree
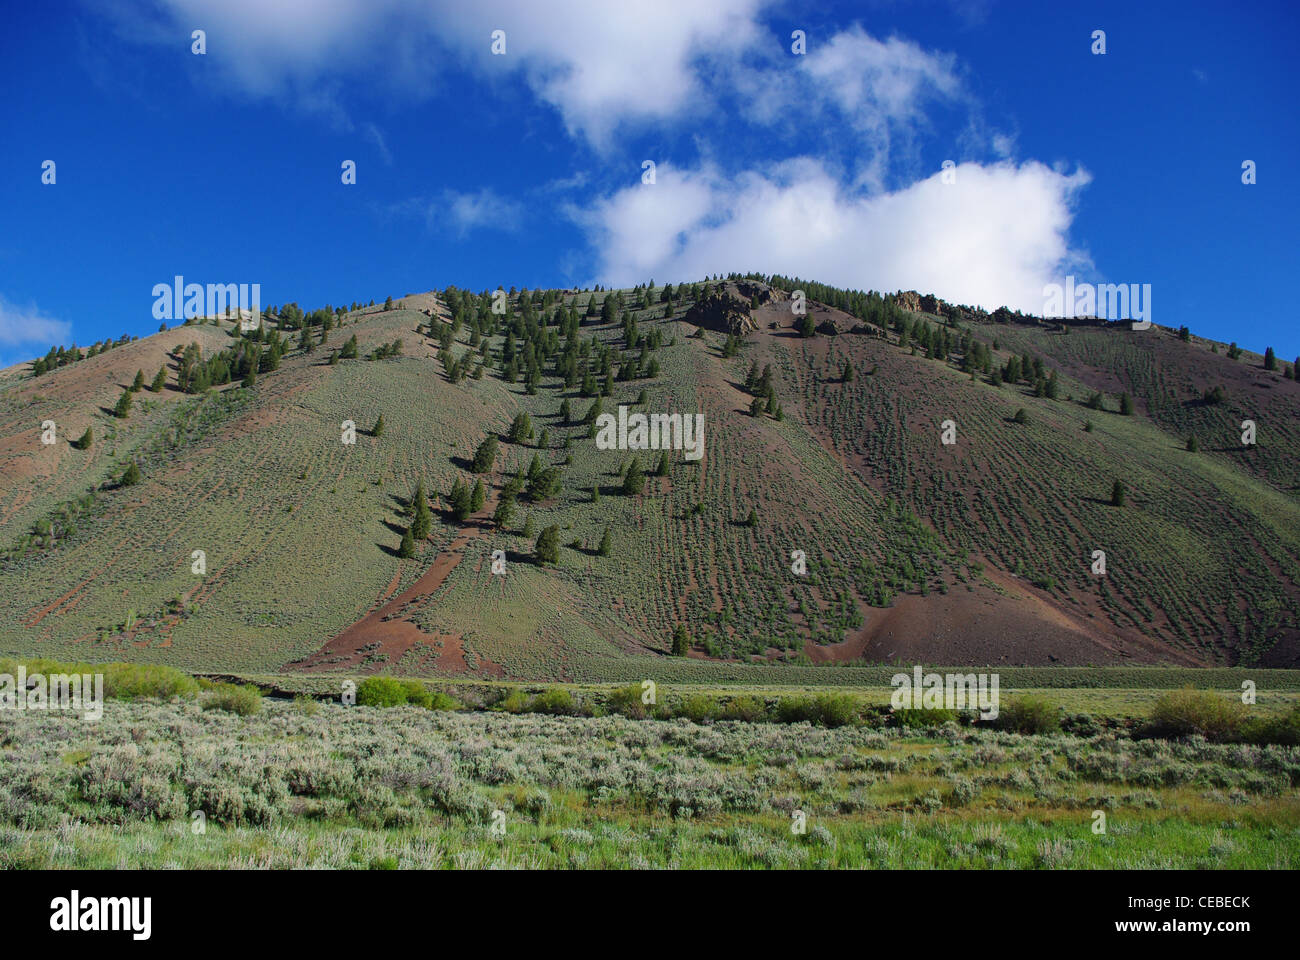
<point>681,640</point>
<point>422,521</point>
<point>603,549</point>
<point>485,456</point>
<point>407,547</point>
<point>504,512</point>
<point>634,479</point>
<point>159,380</point>
<point>547,548</point>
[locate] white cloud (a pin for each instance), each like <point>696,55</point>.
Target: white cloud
<point>994,237</point>
<point>21,325</point>
<point>375,136</point>
<point>26,332</point>
<point>876,82</point>
<point>598,64</point>
<point>462,211</point>
<point>469,211</point>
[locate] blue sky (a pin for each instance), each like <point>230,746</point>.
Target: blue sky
<point>525,168</point>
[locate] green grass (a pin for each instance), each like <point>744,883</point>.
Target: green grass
<point>359,788</point>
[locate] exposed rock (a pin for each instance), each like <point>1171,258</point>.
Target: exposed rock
<point>726,307</point>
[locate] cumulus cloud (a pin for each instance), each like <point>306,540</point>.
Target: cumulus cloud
<point>598,64</point>
<point>994,237</point>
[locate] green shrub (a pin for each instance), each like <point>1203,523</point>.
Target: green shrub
<point>825,709</point>
<point>243,699</point>
<point>122,681</point>
<point>442,701</point>
<point>1284,730</point>
<point>515,702</point>
<point>746,708</point>
<point>307,704</point>
<point>627,702</point>
<point>416,694</point>
<point>1029,715</point>
<point>922,718</point>
<point>381,692</point>
<point>1182,713</point>
<point>555,701</point>
<point>699,707</point>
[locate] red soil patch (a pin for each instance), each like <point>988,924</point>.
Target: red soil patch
<point>387,630</point>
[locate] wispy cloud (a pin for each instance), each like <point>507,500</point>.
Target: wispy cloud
<point>463,212</point>
<point>375,136</point>
<point>24,326</point>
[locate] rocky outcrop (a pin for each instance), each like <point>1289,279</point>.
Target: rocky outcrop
<point>728,307</point>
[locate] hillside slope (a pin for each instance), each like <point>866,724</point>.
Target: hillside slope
<point>979,551</point>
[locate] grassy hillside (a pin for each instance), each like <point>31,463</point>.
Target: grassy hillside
<point>975,552</point>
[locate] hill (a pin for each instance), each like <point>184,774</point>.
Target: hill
<point>827,522</point>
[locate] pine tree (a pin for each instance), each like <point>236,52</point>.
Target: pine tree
<point>407,547</point>
<point>752,519</point>
<point>123,408</point>
<point>86,439</point>
<point>1270,359</point>
<point>478,497</point>
<point>662,469</point>
<point>1117,492</point>
<point>159,380</point>
<point>1126,405</point>
<point>1021,417</point>
<point>1191,444</point>
<point>847,375</point>
<point>485,456</point>
<point>603,549</point>
<point>132,475</point>
<point>634,479</point>
<point>423,516</point>
<point>378,429</point>
<point>530,527</point>
<point>547,548</point>
<point>138,383</point>
<point>681,640</point>
<point>521,429</point>
<point>504,512</point>
<point>595,493</point>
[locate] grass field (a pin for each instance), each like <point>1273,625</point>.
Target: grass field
<point>312,785</point>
